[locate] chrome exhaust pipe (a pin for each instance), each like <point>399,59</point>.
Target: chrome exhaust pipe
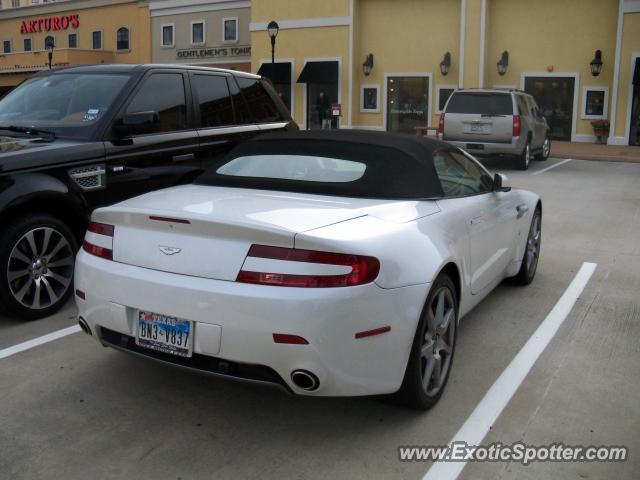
<point>305,380</point>
<point>84,326</point>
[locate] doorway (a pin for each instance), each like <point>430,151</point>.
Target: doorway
<point>407,103</point>
<point>634,127</point>
<point>555,97</point>
<point>322,85</point>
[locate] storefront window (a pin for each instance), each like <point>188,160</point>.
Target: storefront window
<point>6,46</point>
<point>197,33</point>
<point>167,35</point>
<point>122,39</point>
<point>407,103</point>
<point>230,29</point>
<point>27,45</point>
<point>96,38</point>
<point>73,40</point>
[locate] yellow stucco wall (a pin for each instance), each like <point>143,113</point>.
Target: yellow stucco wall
<point>133,15</point>
<point>562,35</point>
<point>472,44</point>
<point>310,43</point>
<point>266,10</point>
<point>630,46</point>
<point>404,39</point>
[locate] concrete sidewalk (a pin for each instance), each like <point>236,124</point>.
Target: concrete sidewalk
<point>593,151</point>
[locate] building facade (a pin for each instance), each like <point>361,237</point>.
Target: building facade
<point>81,32</point>
<point>418,51</point>
<point>202,32</point>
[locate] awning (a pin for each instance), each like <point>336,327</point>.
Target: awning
<point>282,72</point>
<point>319,72</point>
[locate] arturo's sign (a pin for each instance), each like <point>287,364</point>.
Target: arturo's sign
<point>50,23</point>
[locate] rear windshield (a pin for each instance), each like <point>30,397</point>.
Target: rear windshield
<point>294,167</point>
<point>481,103</point>
<point>324,167</point>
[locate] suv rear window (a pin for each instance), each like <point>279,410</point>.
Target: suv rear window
<point>481,103</point>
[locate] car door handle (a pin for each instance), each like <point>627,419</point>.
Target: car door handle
<point>522,209</point>
<point>183,158</point>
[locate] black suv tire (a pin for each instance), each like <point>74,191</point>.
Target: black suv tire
<point>37,256</point>
<point>525,157</point>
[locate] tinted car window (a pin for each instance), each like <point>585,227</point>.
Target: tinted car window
<point>459,175</point>
<point>163,93</point>
<point>216,109</point>
<point>481,103</point>
<point>261,106</point>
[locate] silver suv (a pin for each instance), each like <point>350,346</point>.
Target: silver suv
<point>496,122</point>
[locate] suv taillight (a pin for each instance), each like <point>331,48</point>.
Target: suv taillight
<point>516,125</point>
<point>306,268</point>
<point>98,240</point>
<point>441,125</point>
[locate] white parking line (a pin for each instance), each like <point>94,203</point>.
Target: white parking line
<point>552,166</point>
<point>496,399</point>
<point>50,337</point>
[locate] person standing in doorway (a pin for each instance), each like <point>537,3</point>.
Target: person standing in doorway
<point>323,106</point>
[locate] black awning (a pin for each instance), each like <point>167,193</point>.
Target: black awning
<point>636,73</point>
<point>319,72</point>
<point>282,73</point>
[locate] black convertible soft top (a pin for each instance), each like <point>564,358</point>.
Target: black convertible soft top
<point>397,166</point>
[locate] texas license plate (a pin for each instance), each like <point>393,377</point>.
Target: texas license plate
<point>477,128</point>
<point>165,334</point>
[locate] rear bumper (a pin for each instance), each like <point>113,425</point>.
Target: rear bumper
<point>515,147</point>
<point>246,316</point>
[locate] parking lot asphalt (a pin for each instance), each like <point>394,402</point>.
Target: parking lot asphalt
<point>72,409</point>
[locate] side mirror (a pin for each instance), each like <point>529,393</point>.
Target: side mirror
<point>137,123</point>
<point>501,183</point>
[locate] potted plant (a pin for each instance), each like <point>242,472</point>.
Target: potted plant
<point>600,130</point>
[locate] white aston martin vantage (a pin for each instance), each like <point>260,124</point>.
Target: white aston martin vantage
<point>326,263</point>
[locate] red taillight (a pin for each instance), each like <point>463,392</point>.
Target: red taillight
<point>516,125</point>
<point>98,240</point>
<point>363,269</point>
<point>441,125</point>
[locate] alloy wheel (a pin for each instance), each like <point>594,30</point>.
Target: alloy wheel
<point>533,244</point>
<point>527,154</point>
<point>546,148</point>
<point>437,347</point>
<point>40,268</point>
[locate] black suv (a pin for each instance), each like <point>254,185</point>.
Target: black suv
<point>78,138</point>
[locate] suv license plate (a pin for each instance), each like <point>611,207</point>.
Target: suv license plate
<point>477,128</point>
<point>164,333</point>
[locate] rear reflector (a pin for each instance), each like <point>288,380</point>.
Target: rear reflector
<point>375,331</point>
<point>80,294</point>
<point>290,339</point>
<point>98,240</point>
<point>169,220</point>
<point>306,264</point>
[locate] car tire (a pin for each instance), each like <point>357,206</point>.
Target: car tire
<point>431,332</point>
<point>531,256</point>
<point>37,256</point>
<point>546,150</point>
<point>525,157</point>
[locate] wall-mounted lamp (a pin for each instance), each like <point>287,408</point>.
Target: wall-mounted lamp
<point>367,66</point>
<point>596,64</point>
<point>503,63</point>
<point>445,64</point>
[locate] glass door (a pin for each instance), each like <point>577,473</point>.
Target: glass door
<point>320,96</point>
<point>407,103</point>
<point>634,130</point>
<point>554,96</point>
